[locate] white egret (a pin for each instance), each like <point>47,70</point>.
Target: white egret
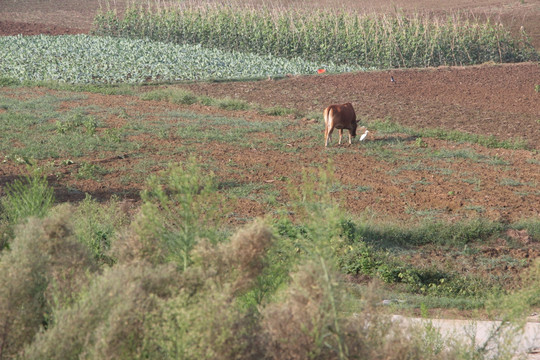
<point>363,136</point>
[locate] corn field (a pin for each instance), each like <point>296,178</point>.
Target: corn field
<point>370,41</point>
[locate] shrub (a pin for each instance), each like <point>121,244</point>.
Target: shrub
<point>5,82</point>
<point>306,324</point>
<point>43,270</point>
<point>203,321</point>
<point>108,320</point>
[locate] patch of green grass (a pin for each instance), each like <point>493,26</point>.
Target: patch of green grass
<point>200,127</point>
<point>473,181</point>
<point>26,197</point>
<point>420,166</point>
<point>91,171</point>
<point>389,127</point>
<point>243,190</point>
<point>186,97</point>
<point>510,182</point>
<point>450,155</point>
<point>175,96</point>
<point>478,208</point>
<point>382,152</point>
<point>487,141</point>
<point>278,111</point>
<point>361,188</point>
<point>424,213</point>
<point>104,89</point>
<point>532,225</point>
<point>429,232</point>
<point>497,161</point>
<point>232,104</point>
<point>36,128</point>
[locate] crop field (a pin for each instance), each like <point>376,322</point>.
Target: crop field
<point>124,139</point>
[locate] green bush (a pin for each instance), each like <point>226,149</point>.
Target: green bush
<point>4,82</point>
<point>180,206</point>
<point>203,320</point>
<point>108,320</point>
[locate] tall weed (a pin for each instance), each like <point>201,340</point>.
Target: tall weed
<point>95,226</point>
<point>29,196</point>
<point>180,206</point>
<point>26,197</point>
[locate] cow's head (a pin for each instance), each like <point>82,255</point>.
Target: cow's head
<point>353,128</point>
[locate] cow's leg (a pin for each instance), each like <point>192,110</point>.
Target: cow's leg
<point>340,135</point>
<point>327,134</point>
<point>350,139</point>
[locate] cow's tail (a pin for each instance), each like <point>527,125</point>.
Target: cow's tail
<point>328,115</point>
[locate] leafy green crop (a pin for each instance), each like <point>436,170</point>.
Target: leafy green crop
<point>92,59</point>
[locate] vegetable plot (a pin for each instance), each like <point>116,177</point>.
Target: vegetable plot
<point>92,59</point>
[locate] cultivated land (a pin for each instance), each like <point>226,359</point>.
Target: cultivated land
<point>396,177</point>
<point>400,174</point>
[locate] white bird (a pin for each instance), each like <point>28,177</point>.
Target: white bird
<point>363,136</point>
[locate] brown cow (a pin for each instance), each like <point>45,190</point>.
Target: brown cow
<point>339,117</point>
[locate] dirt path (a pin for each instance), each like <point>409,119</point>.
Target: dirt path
<point>525,341</point>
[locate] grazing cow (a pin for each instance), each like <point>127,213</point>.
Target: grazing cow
<point>339,117</point>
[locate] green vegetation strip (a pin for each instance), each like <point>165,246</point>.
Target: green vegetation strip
<point>83,59</point>
<point>489,141</point>
<point>371,41</point>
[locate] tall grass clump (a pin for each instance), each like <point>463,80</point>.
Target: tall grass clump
<point>367,40</point>
<point>180,206</point>
<point>25,197</point>
<point>95,225</point>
